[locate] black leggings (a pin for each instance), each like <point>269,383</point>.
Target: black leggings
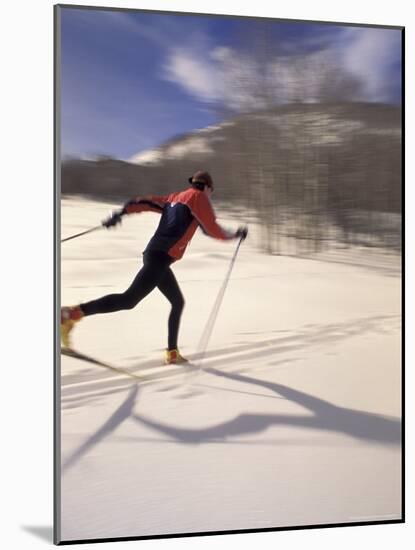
<point>155,272</point>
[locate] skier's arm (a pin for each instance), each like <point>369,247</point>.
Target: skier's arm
<point>203,211</point>
<point>149,203</point>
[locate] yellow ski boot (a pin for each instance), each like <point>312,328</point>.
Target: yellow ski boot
<point>173,357</point>
<point>69,316</point>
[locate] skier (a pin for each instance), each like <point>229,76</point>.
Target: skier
<point>181,214</point>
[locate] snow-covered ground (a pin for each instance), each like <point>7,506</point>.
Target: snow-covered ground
<point>293,420</point>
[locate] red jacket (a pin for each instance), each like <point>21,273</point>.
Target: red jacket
<point>181,214</point>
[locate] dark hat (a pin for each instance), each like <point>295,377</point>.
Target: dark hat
<point>201,177</point>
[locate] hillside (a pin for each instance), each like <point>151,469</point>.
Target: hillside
<point>316,164</point>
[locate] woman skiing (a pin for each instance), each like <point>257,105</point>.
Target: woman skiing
<point>181,214</point>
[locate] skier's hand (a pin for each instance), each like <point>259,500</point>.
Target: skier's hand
<point>113,220</point>
<point>242,232</point>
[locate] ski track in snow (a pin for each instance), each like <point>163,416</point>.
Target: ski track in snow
<point>272,352</point>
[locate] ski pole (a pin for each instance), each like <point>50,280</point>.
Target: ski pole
<point>207,332</point>
<point>82,233</point>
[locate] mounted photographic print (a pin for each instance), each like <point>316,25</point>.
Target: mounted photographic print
<point>228,279</point>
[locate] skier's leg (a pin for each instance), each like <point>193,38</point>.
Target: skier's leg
<point>169,286</point>
<point>145,281</point>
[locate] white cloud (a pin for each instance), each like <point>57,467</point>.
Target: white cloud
<point>369,53</point>
<point>241,81</point>
<point>197,74</point>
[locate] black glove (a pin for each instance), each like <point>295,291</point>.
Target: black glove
<point>113,220</point>
<point>242,232</point>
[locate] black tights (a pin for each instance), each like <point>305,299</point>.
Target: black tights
<point>155,272</point>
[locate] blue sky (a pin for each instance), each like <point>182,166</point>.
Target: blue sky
<point>131,80</point>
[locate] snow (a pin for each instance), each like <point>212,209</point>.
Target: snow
<point>150,156</point>
<point>193,144</point>
<point>214,128</point>
<point>293,419</point>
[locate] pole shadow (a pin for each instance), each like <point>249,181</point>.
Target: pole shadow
<point>122,413</point>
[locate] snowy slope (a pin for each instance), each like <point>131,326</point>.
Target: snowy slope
<point>198,142</point>
<point>293,419</point>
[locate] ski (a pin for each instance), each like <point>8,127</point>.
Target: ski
<point>70,352</point>
<point>82,357</point>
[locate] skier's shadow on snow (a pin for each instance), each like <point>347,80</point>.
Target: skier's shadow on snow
<point>373,428</point>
